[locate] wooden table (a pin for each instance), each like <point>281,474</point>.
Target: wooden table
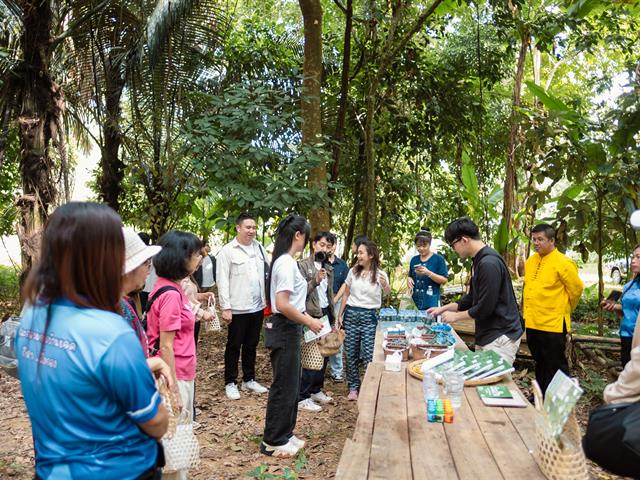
<point>393,440</point>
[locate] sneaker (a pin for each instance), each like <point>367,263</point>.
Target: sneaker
<point>320,397</point>
<point>287,450</point>
<point>353,395</point>
<point>337,378</point>
<point>231,389</point>
<point>253,386</point>
<point>309,405</point>
<point>297,441</point>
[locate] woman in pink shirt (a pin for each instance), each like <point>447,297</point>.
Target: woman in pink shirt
<point>170,319</point>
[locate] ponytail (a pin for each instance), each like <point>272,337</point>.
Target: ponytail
<point>284,238</point>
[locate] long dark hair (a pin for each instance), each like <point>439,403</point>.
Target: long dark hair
<point>284,238</point>
<point>372,250</point>
<point>82,258</point>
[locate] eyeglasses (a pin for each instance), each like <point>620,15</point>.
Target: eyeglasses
<point>455,241</point>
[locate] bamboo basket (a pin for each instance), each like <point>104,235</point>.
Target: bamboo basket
<point>562,457</point>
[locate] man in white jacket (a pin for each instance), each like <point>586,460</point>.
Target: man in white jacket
<point>240,274</point>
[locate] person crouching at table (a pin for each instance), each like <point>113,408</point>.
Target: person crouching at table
<point>364,286</point>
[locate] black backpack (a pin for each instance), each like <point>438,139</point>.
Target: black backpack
<point>147,308</point>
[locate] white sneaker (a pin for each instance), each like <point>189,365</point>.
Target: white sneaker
<point>231,389</point>
<point>309,405</point>
<point>253,386</point>
<point>320,397</point>
<point>284,451</point>
<point>298,442</point>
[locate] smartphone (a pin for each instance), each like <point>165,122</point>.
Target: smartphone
<point>615,295</point>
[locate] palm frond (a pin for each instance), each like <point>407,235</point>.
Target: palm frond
<point>206,18</point>
<point>11,27</point>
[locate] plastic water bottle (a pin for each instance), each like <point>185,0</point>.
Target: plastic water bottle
<point>430,387</point>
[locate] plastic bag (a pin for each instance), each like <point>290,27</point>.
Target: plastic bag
<point>8,358</point>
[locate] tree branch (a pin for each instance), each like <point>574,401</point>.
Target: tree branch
<point>340,6</point>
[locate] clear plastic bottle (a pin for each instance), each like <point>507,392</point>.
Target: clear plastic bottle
<point>430,387</point>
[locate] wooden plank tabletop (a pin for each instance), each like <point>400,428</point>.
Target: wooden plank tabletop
<point>393,440</point>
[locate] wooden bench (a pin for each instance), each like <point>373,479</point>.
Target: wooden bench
<point>392,439</point>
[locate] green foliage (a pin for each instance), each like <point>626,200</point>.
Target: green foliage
<point>9,184</point>
<point>246,142</point>
<point>262,472</point>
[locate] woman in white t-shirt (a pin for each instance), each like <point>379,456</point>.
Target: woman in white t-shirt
<point>362,299</point>
<point>282,336</point>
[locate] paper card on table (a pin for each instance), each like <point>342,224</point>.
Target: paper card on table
<point>514,399</point>
<point>494,391</point>
<point>310,336</point>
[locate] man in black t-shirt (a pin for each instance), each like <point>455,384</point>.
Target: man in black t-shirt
<point>491,302</point>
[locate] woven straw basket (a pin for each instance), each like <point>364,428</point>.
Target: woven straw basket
<point>310,356</point>
<point>559,458</point>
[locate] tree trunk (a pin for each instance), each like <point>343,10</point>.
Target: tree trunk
<point>510,182</point>
<point>357,196</point>
<point>344,91</point>
<point>369,215</point>
<point>600,252</point>
<point>39,103</point>
<point>311,114</point>
<point>111,166</point>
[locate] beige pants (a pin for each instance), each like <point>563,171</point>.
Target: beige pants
<point>503,346</point>
<point>186,388</point>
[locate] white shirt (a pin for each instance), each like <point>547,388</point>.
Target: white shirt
<point>363,293</point>
<point>286,277</point>
<point>322,288</point>
<point>240,277</point>
<point>253,275</point>
<point>207,272</point>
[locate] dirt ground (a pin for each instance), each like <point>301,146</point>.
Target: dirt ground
<point>230,431</point>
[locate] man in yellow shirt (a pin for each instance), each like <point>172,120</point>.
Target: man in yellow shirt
<point>552,289</point>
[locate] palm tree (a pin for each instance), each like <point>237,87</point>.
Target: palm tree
<point>37,40</point>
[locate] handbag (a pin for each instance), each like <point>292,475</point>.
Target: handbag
<point>330,344</point>
<point>182,450</point>
<point>612,439</point>
<point>212,325</point>
<point>310,356</point>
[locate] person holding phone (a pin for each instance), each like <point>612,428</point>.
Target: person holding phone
<point>427,272</point>
<point>627,307</point>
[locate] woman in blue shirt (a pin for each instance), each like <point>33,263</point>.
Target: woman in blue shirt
<point>91,396</point>
<point>427,271</point>
<point>628,308</point>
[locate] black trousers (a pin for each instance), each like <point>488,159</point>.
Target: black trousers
<point>625,350</point>
<point>547,349</point>
<point>312,381</point>
<point>243,335</point>
<point>282,337</point>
